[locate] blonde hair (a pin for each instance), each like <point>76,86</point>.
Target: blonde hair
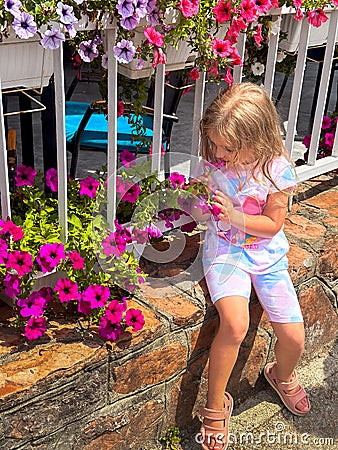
<point>245,117</point>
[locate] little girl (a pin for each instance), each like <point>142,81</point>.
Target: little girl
<point>250,177</point>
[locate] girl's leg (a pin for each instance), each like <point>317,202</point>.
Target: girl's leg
<point>234,321</point>
<point>288,349</point>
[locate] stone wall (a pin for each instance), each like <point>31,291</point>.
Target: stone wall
<point>70,390</point>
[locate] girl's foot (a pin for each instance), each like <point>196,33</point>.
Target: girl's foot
<point>215,427</point>
<point>291,393</point>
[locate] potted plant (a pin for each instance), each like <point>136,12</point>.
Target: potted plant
<point>91,276</point>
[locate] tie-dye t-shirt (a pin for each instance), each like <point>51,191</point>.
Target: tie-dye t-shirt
<point>251,253</point>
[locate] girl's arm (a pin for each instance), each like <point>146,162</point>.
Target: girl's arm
<point>265,225</point>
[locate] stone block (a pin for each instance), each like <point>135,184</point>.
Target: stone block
<point>148,368</point>
<point>320,319</point>
<point>301,227</point>
<point>173,303</point>
<point>301,263</point>
<point>326,201</point>
<point>327,262</point>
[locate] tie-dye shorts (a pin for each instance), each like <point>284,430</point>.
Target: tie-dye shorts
<point>274,290</point>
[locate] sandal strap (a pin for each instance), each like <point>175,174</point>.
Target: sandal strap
<point>213,414</point>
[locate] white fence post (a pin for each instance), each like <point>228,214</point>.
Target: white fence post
<point>61,140</point>
<point>4,183</point>
<point>158,118</point>
<point>112,127</point>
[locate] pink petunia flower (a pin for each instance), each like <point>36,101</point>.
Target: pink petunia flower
<point>50,256</point>
<point>76,259</point>
<point>263,6</point>
<point>154,37</point>
<point>115,310</point>
<point>258,35</point>
<point>299,15</point>
<point>3,251</point>
<point>154,231</point>
<point>89,186</point>
<point>12,285</point>
<point>135,319</point>
<point>32,306</point>
<point>96,295</point>
<point>114,244</point>
<point>20,261</point>
<point>326,123</point>
<point>109,330</point>
<point>329,139</point>
<point>222,11</point>
<point>159,57</point>
<point>307,140</point>
<point>120,108</point>
<point>189,7</point>
<point>67,289</point>
<point>132,194</point>
<point>248,10</point>
<point>84,306</point>
<point>221,48</point>
<point>194,74</point>
<point>228,78</point>
<point>13,230</point>
<point>35,327</point>
<point>25,176</point>
<point>127,158</point>
<point>52,179</point>
<point>316,17</point>
<point>47,293</point>
<point>177,179</point>
<point>140,236</point>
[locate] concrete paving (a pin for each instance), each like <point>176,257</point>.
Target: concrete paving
<point>263,423</point>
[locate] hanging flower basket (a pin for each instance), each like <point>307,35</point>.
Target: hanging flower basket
<point>28,64</point>
<point>318,36</point>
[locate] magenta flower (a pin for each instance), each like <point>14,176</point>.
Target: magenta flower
<point>109,330</point>
<point>25,176</point>
<point>222,11</point>
<point>115,310</point>
<point>47,293</point>
<point>248,10</point>
<point>127,158</point>
<point>158,58</point>
<point>50,256</point>
<point>221,48</point>
<point>154,37</point>
<point>32,306</point>
<point>316,17</point>
<point>35,327</point>
<point>89,186</point>
<point>263,6</point>
<point>329,139</point>
<point>52,179</point>
<point>326,123</point>
<point>120,112</point>
<point>67,289</point>
<point>84,306</point>
<point>20,261</point>
<point>140,236</point>
<point>12,285</point>
<point>189,7</point>
<point>154,231</point>
<point>3,251</point>
<point>12,229</point>
<point>135,319</point>
<point>96,295</point>
<point>114,244</point>
<point>177,179</point>
<point>132,194</point>
<point>76,259</point>
<point>258,35</point>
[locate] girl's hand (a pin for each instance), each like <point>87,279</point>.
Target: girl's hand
<point>202,179</point>
<point>223,202</point>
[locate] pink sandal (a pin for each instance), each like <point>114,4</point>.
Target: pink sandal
<point>282,388</point>
<point>218,435</point>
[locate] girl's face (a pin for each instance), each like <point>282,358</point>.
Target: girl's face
<point>224,152</point>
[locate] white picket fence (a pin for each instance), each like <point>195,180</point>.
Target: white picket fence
<point>312,168</point>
